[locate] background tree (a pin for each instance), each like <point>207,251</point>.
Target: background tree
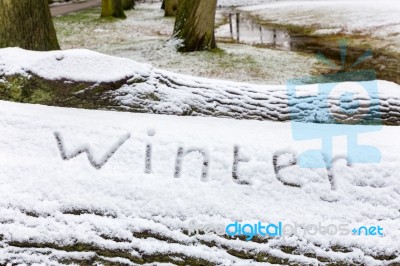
<point>195,24</point>
<point>112,8</point>
<point>27,24</point>
<point>128,4</point>
<point>171,8</point>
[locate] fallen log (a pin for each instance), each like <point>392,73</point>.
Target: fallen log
<point>141,88</point>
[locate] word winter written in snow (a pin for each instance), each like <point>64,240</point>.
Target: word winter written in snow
<point>181,153</point>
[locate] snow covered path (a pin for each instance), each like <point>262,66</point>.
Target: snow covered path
<point>59,10</point>
<point>55,210</point>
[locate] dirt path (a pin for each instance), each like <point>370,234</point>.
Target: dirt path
<point>68,8</point>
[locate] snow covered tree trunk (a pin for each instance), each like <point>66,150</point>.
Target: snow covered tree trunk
<point>195,24</point>
<point>171,94</point>
<point>171,7</point>
<point>27,24</point>
<point>112,8</point>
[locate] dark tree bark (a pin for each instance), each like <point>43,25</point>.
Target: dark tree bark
<point>112,8</point>
<point>128,4</point>
<point>171,8</point>
<point>163,4</point>
<point>195,24</point>
<point>27,24</point>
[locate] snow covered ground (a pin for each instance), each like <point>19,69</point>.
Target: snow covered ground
<point>242,2</point>
<point>99,187</point>
<point>143,37</point>
<point>136,192</point>
<point>49,203</point>
<point>144,34</point>
<point>379,19</point>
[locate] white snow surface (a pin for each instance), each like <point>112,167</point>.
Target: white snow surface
<point>121,198</point>
<point>77,64</point>
<point>242,2</point>
<point>43,195</point>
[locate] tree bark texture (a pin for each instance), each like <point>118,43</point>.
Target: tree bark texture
<point>195,24</point>
<point>171,8</point>
<point>173,94</point>
<point>128,4</point>
<point>27,24</point>
<point>112,8</point>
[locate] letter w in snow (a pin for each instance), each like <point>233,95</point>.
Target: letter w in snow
<point>98,164</point>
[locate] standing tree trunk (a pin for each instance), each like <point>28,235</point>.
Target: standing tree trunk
<point>112,8</point>
<point>128,4</point>
<point>195,24</point>
<point>27,24</point>
<point>171,7</point>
